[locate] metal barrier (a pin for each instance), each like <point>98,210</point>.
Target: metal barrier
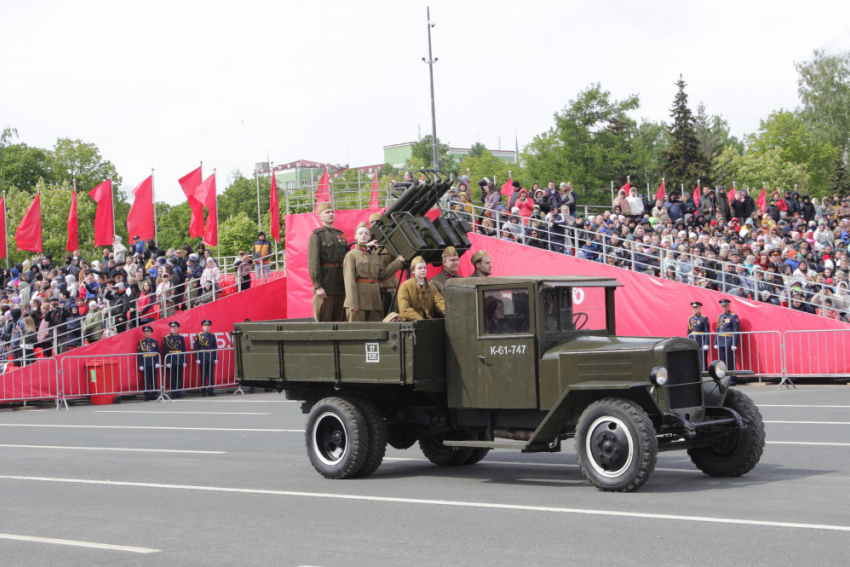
<point>197,369</point>
<point>113,375</point>
<point>817,354</point>
<point>34,380</point>
<point>757,351</point>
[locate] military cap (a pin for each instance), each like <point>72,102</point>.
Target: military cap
<point>362,225</point>
<point>206,322</point>
<point>374,216</point>
<point>322,207</point>
<point>147,329</point>
<point>417,260</point>
<point>449,251</point>
<point>479,256</point>
<point>725,301</point>
<point>696,304</point>
<point>174,324</point>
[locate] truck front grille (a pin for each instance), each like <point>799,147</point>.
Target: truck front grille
<point>684,389</point>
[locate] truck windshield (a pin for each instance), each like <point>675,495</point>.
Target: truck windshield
<point>568,309</point>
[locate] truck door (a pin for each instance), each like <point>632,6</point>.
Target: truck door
<point>507,364</point>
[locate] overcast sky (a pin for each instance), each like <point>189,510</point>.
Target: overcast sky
<point>167,84</point>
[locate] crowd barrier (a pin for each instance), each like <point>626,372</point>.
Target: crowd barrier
<point>760,352</point>
<point>107,377</point>
<point>199,370</point>
<point>806,354</point>
<point>36,381</point>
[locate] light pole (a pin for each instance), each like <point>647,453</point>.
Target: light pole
<point>430,61</point>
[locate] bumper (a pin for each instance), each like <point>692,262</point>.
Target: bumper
<point>679,433</point>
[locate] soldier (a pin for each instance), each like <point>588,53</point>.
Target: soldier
<point>326,250</point>
<point>205,341</point>
<point>389,285</point>
<point>417,297</point>
<point>175,345</point>
<point>698,324</point>
<point>148,359</point>
<point>362,270</point>
<point>482,265</point>
<point>451,262</point>
<point>727,335</point>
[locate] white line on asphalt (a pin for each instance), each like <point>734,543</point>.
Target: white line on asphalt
<point>797,406</point>
<point>148,427</point>
<point>451,503</point>
<point>90,544</point>
<point>807,443</point>
<point>239,401</point>
<point>187,412</point>
<point>114,449</point>
<point>813,422</point>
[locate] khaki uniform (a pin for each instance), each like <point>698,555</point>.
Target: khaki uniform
<point>362,271</point>
<point>326,250</point>
<point>439,281</point>
<point>417,302</point>
<point>389,285</point>
<point>477,274</point>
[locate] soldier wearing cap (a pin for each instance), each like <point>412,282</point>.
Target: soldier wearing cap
<point>697,325</point>
<point>326,250</point>
<point>728,328</point>
<point>482,265</point>
<point>417,297</point>
<point>451,263</point>
<point>175,345</point>
<point>390,284</point>
<point>206,356</point>
<point>362,271</point>
<point>148,359</point>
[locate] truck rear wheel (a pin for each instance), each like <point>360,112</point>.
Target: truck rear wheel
<point>433,448</point>
<point>377,436</point>
<point>337,438</point>
<point>737,453</point>
<point>616,445</point>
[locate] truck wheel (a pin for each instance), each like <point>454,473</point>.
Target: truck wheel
<point>737,453</point>
<point>402,436</point>
<point>616,445</point>
<point>377,436</point>
<point>337,438</point>
<point>433,448</point>
<point>477,454</point>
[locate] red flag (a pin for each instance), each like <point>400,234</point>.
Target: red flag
<point>626,188</point>
<point>731,194</point>
<point>189,183</point>
<point>73,226</point>
<point>28,235</point>
<point>104,230</point>
<point>660,194</point>
<point>205,194</point>
<point>3,228</point>
<point>140,221</point>
<point>323,190</point>
<point>374,202</point>
<point>508,188</point>
<point>762,200</point>
<point>696,195</point>
<point>274,209</point>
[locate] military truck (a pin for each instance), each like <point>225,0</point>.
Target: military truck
<point>522,363</point>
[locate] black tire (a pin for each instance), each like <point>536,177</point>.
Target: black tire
<point>337,438</point>
<point>116,400</point>
<point>477,454</point>
<point>738,453</point>
<point>377,436</point>
<point>402,435</point>
<point>433,448</point>
<point>616,445</point>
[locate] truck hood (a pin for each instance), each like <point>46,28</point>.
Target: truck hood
<point>596,344</point>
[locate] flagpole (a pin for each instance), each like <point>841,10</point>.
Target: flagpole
<point>153,198</point>
<point>259,216</point>
<point>215,194</point>
<point>5,230</point>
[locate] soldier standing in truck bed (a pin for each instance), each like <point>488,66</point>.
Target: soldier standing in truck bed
<point>363,270</point>
<point>389,285</point>
<point>482,265</point>
<point>326,250</point>
<point>451,262</point>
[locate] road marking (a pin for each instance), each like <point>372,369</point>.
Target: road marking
<point>187,412</point>
<point>114,449</point>
<point>74,543</point>
<point>797,406</point>
<point>149,427</point>
<point>240,401</point>
<point>807,443</point>
<point>448,503</point>
<point>813,422</point>
<point>532,464</point>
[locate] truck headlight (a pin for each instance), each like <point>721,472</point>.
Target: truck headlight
<point>717,370</point>
<point>658,376</point>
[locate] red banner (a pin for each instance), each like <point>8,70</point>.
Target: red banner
<point>205,194</point>
<point>3,228</point>
<point>323,193</point>
<point>274,210</point>
<point>104,229</point>
<point>508,188</point>
<point>73,226</point>
<point>140,221</point>
<point>189,183</point>
<point>28,235</point>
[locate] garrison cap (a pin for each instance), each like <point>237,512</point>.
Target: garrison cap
<point>174,324</point>
<point>147,329</point>
<point>206,322</point>
<point>322,207</point>
<point>374,216</point>
<point>696,304</point>
<point>417,260</point>
<point>362,225</point>
<point>481,254</point>
<point>449,251</point>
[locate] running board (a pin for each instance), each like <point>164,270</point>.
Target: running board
<point>514,444</point>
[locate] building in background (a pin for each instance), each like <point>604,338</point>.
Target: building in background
<point>397,154</point>
<point>305,173</point>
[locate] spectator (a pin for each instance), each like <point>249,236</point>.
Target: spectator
<point>211,273</point>
<point>622,201</point>
<point>93,323</point>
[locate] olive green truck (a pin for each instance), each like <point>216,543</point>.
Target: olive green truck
<point>517,363</point>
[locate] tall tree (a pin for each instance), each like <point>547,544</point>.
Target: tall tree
<point>75,159</point>
<point>839,181</point>
<point>423,153</point>
<point>477,149</point>
<point>684,163</point>
<point>824,90</point>
<point>22,166</point>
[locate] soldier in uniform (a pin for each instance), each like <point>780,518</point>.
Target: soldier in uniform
<point>175,345</point>
<point>728,327</point>
<point>362,270</point>
<point>451,262</point>
<point>205,341</point>
<point>482,265</point>
<point>326,250</point>
<point>390,284</point>
<point>417,297</point>
<point>697,324</point>
<point>148,359</point>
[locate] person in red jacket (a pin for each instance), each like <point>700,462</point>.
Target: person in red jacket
<point>525,205</point>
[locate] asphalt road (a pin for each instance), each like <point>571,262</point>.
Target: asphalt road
<point>226,481</point>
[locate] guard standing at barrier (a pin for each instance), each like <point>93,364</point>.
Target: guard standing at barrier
<point>698,324</point>
<point>482,265</point>
<point>206,357</point>
<point>326,250</point>
<point>363,270</point>
<point>728,327</point>
<point>451,263</point>
<point>175,345</point>
<point>148,359</point>
<point>389,285</point>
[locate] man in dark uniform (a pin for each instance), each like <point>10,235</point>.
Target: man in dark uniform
<point>698,324</point>
<point>148,359</point>
<point>389,285</point>
<point>482,265</point>
<point>326,249</point>
<point>451,262</point>
<point>175,345</point>
<point>727,335</point>
<point>206,356</point>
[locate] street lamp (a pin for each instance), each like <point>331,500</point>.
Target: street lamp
<point>430,61</point>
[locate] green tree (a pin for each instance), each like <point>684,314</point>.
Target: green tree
<point>684,163</point>
<point>753,168</point>
<point>477,149</point>
<point>491,167</point>
<point>77,160</point>
<point>839,181</point>
<point>22,166</point>
<point>236,233</point>
<point>423,150</point>
<point>824,89</point>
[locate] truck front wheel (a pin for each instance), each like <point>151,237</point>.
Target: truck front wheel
<point>616,445</point>
<point>433,448</point>
<point>337,438</point>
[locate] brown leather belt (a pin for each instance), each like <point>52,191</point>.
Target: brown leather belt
<point>329,265</point>
<point>366,280</point>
